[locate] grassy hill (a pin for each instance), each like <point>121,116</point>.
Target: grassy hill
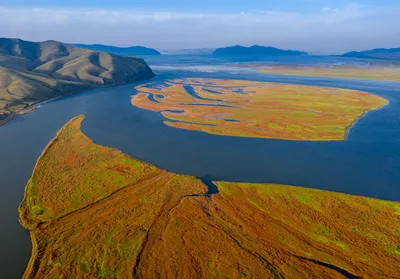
<point>32,72</point>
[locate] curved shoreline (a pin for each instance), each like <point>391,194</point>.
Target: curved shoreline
<point>208,191</point>
<point>348,130</point>
<point>332,112</point>
<point>22,221</point>
<point>38,104</point>
<point>144,158</point>
<point>259,208</point>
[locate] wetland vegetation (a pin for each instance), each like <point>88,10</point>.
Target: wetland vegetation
<point>257,109</point>
<point>93,211</point>
<point>384,73</point>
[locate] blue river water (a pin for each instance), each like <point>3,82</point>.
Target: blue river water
<point>366,164</point>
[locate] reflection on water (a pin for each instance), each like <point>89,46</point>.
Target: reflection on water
<point>366,164</point>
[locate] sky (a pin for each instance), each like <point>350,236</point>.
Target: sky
<point>309,25</point>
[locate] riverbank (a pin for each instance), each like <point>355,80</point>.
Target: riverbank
<point>371,150</point>
<point>257,109</point>
<point>40,71</point>
<point>96,212</point>
<point>36,105</point>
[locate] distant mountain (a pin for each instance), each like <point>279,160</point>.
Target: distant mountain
<point>31,72</point>
<point>125,51</point>
<point>189,51</point>
<point>255,51</point>
<point>378,53</point>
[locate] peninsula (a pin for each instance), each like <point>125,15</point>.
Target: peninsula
<point>93,211</point>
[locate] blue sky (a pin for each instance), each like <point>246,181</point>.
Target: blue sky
<point>311,25</point>
<point>201,5</point>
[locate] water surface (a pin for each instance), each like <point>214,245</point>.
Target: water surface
<point>367,163</point>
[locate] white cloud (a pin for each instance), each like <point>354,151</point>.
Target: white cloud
<point>349,27</point>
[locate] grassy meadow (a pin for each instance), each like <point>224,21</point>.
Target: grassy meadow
<point>93,211</point>
<point>391,73</point>
<point>258,109</point>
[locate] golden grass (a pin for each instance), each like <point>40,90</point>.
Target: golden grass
<point>161,225</point>
<point>90,207</point>
<point>361,73</point>
<point>258,109</point>
<point>74,173</point>
<point>349,228</point>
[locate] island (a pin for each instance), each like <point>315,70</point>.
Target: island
<point>255,51</point>
<point>377,53</point>
<point>93,211</point>
<point>124,51</point>
<point>32,72</point>
<point>257,109</point>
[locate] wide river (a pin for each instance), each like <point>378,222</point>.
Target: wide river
<point>367,163</point>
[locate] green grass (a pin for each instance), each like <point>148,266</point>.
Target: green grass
<point>256,204</point>
<point>84,265</point>
<point>322,233</point>
<point>395,251</point>
<point>105,271</point>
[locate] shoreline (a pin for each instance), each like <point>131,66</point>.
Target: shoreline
<point>292,73</point>
<point>151,104</point>
<point>208,192</point>
<point>38,104</point>
<point>21,219</point>
<point>348,129</point>
<point>309,197</point>
<point>23,222</point>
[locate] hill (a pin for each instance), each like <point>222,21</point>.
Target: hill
<point>32,72</point>
<point>255,51</point>
<point>125,51</point>
<point>378,53</point>
<point>190,51</point>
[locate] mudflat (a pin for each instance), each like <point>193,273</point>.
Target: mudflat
<point>257,109</point>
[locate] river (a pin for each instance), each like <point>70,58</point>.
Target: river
<point>366,164</point>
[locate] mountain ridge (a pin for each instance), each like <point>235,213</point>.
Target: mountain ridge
<point>376,53</point>
<point>32,72</point>
<point>132,50</point>
<point>255,51</point>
